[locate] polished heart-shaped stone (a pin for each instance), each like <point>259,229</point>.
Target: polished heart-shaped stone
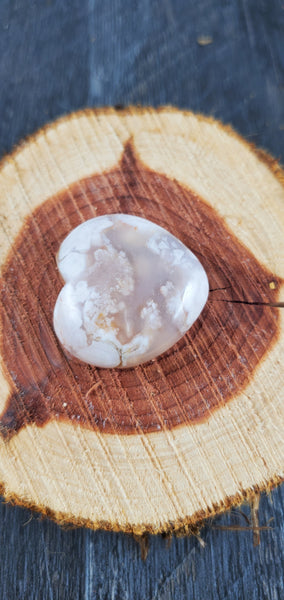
<point>131,291</point>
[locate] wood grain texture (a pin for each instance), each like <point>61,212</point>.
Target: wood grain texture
<point>137,469</point>
<point>57,57</point>
<point>218,356</point>
<point>40,560</point>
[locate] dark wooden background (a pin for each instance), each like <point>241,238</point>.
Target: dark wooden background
<point>60,55</point>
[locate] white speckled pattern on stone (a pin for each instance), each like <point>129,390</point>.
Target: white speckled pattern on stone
<point>132,290</point>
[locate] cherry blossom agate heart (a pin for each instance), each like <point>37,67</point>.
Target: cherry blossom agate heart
<point>132,290</point>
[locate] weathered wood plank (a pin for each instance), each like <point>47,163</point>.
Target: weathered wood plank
<point>40,560</point>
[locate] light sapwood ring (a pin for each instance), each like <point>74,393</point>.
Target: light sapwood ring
<point>199,429</point>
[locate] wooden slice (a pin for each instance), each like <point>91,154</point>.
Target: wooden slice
<point>166,444</point>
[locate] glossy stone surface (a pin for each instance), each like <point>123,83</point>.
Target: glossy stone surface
<point>131,291</point>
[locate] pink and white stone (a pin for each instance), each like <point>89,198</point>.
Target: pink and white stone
<point>131,291</point>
